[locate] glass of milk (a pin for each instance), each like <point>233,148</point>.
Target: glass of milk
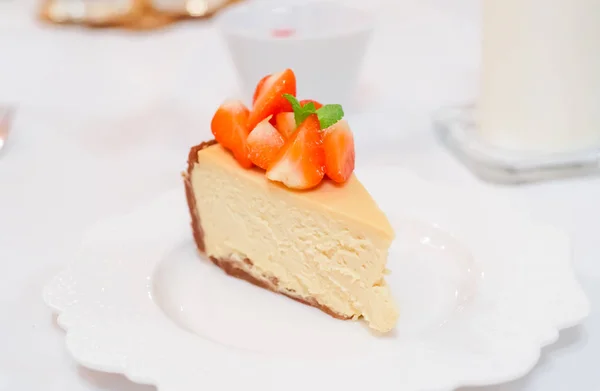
<point>539,106</point>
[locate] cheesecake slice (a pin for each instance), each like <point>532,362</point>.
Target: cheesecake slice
<point>326,246</point>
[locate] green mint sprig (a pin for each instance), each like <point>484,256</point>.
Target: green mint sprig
<point>328,114</point>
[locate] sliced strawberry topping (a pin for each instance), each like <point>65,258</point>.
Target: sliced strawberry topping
<point>286,124</point>
<point>259,88</point>
<point>270,100</point>
<point>230,128</point>
<point>267,135</point>
<point>301,162</point>
<point>338,142</point>
<point>314,102</point>
<point>264,143</point>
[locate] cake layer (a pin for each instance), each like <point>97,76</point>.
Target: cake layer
<point>326,247</point>
<point>243,269</point>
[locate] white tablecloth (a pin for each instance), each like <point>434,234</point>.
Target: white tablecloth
<point>94,107</point>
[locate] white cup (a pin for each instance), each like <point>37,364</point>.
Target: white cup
<point>325,50</point>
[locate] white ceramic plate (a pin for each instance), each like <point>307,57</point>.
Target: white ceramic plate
<point>481,289</point>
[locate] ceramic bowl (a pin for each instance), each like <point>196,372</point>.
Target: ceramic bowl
<point>324,42</point>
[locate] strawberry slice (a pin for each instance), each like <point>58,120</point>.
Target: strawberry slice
<point>285,124</point>
<point>338,143</point>
<point>301,162</point>
<point>259,88</point>
<point>270,100</point>
<point>264,143</point>
<point>229,126</point>
<point>303,102</point>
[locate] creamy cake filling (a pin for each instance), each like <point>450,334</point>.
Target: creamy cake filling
<point>327,257</point>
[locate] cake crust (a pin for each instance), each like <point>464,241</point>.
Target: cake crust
<point>233,267</point>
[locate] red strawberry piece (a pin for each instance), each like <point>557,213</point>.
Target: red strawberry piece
<point>259,88</point>
<point>301,162</point>
<point>270,100</point>
<point>303,102</point>
<point>285,124</point>
<point>264,143</point>
<point>338,143</point>
<point>230,128</point>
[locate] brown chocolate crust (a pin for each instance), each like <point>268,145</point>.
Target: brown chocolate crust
<point>189,193</point>
<point>230,266</point>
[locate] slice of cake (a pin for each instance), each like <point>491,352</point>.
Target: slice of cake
<point>306,227</point>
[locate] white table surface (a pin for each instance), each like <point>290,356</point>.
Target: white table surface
<point>96,106</point>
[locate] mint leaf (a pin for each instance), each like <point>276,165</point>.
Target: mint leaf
<point>300,112</point>
<point>294,102</point>
<point>303,114</point>
<point>329,115</point>
<point>310,106</point>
